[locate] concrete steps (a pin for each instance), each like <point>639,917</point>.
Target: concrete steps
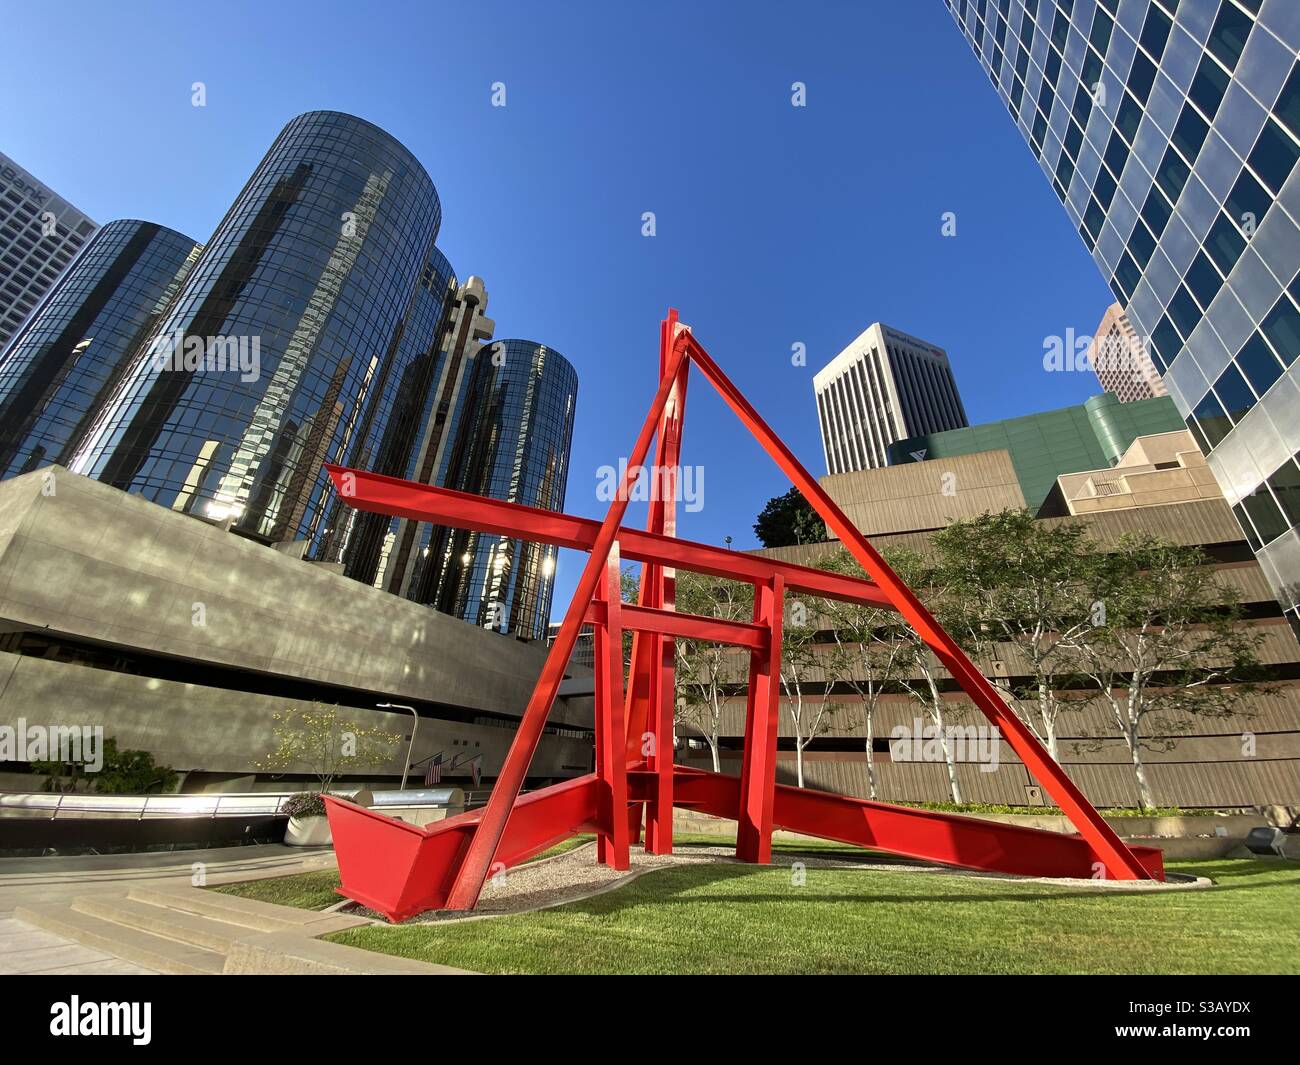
<point>153,951</point>
<point>173,928</point>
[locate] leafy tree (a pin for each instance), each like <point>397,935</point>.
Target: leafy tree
<point>123,772</point>
<point>1168,642</point>
<point>705,670</point>
<point>875,652</point>
<point>326,744</point>
<point>788,520</point>
<point>1013,579</point>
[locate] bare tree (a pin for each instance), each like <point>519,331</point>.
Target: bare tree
<point>875,652</point>
<point>921,679</point>
<point>707,671</point>
<point>808,675</point>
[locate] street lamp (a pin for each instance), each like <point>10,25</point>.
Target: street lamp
<point>414,729</point>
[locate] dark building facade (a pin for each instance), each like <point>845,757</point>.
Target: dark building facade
<point>513,445</point>
<point>300,324</point>
<point>70,354</point>
<point>1170,133</point>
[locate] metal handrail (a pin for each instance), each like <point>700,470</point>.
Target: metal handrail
<point>212,804</point>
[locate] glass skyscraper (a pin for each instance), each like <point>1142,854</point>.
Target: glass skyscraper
<point>321,280</point>
<point>1170,131</point>
<point>513,445</point>
<point>70,354</point>
<point>319,324</point>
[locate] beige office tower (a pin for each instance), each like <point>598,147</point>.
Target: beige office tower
<point>885,386</point>
<point>40,233</point>
<point>1121,361</point>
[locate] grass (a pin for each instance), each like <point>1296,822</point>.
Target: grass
<point>306,891</point>
<point>745,919</point>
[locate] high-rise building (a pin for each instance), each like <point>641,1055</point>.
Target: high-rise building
<point>1120,360</point>
<point>1170,133</point>
<point>513,445</point>
<point>319,324</point>
<point>69,355</point>
<point>40,233</point>
<point>883,387</point>
<point>409,567</point>
<point>287,347</point>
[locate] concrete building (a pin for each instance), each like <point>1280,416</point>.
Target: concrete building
<point>40,233</point>
<point>68,357</point>
<point>1154,471</point>
<point>1170,133</point>
<point>1120,359</point>
<point>1200,761</point>
<point>183,640</point>
<point>1092,434</point>
<point>883,387</point>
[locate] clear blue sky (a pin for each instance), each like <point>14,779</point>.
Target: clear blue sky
<point>775,224</point>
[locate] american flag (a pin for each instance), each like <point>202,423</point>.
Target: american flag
<point>433,775</point>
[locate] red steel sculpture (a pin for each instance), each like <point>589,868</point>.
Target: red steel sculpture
<point>400,870</point>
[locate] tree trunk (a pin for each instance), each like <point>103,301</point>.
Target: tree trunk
<point>943,741</point>
<point>871,753</point>
<point>1048,721</point>
<point>1145,794</point>
<point>798,760</point>
<point>713,750</point>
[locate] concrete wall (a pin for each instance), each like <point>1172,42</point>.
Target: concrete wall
<point>193,728</point>
<point>926,495</point>
<point>83,560</point>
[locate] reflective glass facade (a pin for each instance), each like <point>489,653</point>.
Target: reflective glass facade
<point>513,444</point>
<point>320,279</point>
<point>69,355</point>
<point>1170,131</point>
<point>385,545</point>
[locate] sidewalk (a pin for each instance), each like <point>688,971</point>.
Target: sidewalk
<point>27,881</point>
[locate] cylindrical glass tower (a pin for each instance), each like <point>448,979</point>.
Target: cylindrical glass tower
<point>65,361</point>
<point>285,348</point>
<point>513,446</point>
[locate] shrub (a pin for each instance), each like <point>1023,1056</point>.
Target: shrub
<point>304,804</point>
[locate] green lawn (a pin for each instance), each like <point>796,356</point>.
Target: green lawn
<point>745,919</point>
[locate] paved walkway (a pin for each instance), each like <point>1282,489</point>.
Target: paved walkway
<point>24,881</point>
<point>34,952</point>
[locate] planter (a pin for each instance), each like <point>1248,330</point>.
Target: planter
<point>308,832</point>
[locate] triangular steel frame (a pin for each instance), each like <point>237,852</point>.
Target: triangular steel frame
<point>400,869</point>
